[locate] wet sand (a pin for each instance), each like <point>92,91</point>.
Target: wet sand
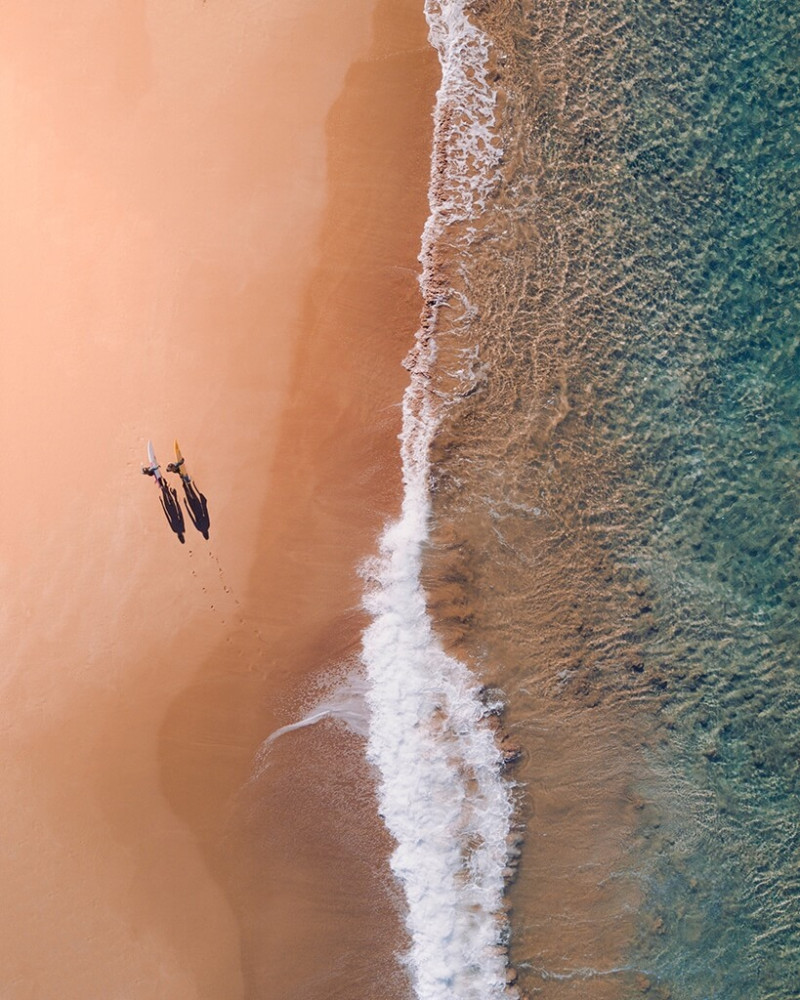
<point>212,216</point>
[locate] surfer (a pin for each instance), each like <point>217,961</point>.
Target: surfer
<point>179,466</point>
<point>176,467</point>
<point>172,511</point>
<point>153,468</point>
<point>197,507</point>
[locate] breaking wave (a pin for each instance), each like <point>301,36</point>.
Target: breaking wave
<point>441,790</point>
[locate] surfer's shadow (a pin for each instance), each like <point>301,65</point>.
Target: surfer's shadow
<point>172,511</point>
<point>195,502</point>
<point>196,505</point>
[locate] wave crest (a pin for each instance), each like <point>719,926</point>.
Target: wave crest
<point>441,791</point>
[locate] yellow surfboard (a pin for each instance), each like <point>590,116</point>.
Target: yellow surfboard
<point>181,468</point>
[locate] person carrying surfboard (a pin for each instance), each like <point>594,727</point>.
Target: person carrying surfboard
<point>153,469</point>
<point>179,465</point>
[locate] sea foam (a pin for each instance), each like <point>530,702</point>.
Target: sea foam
<point>441,791</point>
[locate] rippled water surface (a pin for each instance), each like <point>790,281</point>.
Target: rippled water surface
<point>616,489</point>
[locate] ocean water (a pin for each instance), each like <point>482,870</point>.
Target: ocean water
<point>601,465</point>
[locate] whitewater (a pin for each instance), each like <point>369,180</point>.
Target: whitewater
<point>441,791</point>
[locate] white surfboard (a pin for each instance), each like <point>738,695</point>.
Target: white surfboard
<point>151,455</point>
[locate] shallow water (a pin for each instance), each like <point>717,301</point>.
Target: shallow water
<point>615,488</point>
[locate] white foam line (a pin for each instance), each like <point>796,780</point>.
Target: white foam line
<point>309,720</point>
<point>441,792</point>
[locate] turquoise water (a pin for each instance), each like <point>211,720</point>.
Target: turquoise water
<point>713,398</point>
<point>629,439</point>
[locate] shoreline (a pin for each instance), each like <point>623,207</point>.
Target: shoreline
<point>432,734</point>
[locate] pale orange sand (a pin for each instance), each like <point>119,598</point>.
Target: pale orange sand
<point>211,214</point>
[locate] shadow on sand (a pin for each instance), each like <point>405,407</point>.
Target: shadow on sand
<point>197,508</point>
<point>172,511</point>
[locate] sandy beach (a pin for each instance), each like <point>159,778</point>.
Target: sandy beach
<point>212,217</point>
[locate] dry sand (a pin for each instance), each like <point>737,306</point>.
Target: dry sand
<point>211,216</point>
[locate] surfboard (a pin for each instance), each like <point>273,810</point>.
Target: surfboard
<point>151,458</point>
<point>181,468</point>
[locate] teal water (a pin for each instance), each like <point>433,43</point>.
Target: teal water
<point>713,399</point>
<point>627,438</point>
